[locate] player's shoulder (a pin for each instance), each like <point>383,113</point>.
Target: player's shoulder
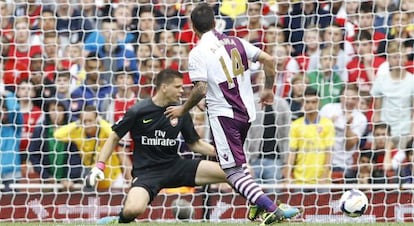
<point>142,105</point>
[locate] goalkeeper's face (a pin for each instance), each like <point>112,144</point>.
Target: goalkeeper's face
<point>173,91</point>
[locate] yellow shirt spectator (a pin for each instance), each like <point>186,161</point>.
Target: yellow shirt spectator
<point>90,146</point>
<point>311,141</point>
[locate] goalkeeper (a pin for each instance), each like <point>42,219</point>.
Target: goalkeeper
<point>156,164</point>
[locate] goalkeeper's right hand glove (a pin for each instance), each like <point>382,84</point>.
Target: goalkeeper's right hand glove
<point>95,174</point>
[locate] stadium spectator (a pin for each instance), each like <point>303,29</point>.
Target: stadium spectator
<point>364,171</point>
<point>62,84</point>
<point>295,99</point>
<point>89,133</point>
<point>333,39</point>
<point>312,42</point>
<point>252,26</point>
<point>312,138</point>
<point>6,25</point>
<point>403,164</point>
<point>53,160</point>
<point>347,17</point>
<point>47,23</point>
<point>365,66</point>
<point>165,41</point>
<point>383,150</point>
<point>115,55</point>
<point>30,9</point>
<point>325,80</point>
<point>94,91</point>
<point>186,34</point>
<point>71,26</point>
<point>304,14</point>
<point>90,12</point>
<point>224,23</point>
<point>397,82</point>
<point>402,30</point>
<point>179,62</point>
<point>20,51</point>
<point>209,64</point>
<point>30,112</point>
<point>43,87</point>
<point>168,14</point>
<point>149,68</point>
<point>366,22</point>
<point>148,28</point>
<point>268,138</point>
<point>52,60</point>
<point>77,69</point>
<point>274,36</point>
<point>157,164</point>
<point>10,131</point>
<point>287,67</point>
<point>350,124</point>
<point>383,15</point>
<point>122,15</point>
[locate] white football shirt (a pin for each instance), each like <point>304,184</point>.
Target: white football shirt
<point>223,62</point>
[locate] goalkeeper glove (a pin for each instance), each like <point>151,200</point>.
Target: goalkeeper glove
<point>95,174</point>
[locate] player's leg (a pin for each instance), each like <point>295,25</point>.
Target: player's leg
<point>135,204</point>
<point>209,172</point>
<point>229,136</point>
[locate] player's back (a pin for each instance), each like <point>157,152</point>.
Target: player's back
<point>222,61</point>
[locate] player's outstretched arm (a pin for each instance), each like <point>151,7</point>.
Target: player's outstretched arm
<point>97,172</point>
<point>197,94</point>
<point>269,67</point>
<point>203,148</point>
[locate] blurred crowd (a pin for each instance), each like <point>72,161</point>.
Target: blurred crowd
<point>343,111</point>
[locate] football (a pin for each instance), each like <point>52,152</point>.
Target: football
<point>353,203</point>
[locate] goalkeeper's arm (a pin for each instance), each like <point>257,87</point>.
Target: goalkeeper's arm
<point>97,172</point>
<point>108,147</point>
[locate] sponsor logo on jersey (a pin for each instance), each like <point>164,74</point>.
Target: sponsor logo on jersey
<point>174,121</point>
<point>146,121</point>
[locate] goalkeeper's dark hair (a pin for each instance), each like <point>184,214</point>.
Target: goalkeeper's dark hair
<point>202,17</point>
<point>166,76</point>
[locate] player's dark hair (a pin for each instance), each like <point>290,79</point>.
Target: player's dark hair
<point>202,17</point>
<point>167,76</point>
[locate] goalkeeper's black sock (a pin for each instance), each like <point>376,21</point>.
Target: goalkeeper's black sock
<point>123,219</point>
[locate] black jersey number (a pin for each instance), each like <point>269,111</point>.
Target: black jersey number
<point>237,66</point>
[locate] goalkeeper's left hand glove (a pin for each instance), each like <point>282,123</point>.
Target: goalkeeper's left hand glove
<point>95,174</point>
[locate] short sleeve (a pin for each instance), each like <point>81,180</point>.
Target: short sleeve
<point>124,125</point>
<point>197,67</point>
<point>252,51</point>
